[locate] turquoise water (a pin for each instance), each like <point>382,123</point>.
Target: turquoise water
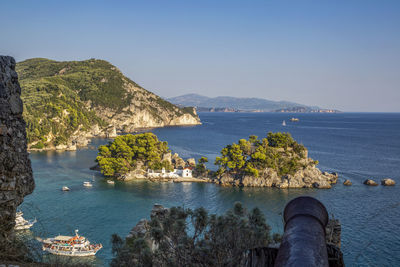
<point>357,146</point>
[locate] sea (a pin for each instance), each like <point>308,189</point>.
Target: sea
<point>357,146</point>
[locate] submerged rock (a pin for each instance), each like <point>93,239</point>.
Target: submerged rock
<point>347,182</point>
<point>370,182</point>
<point>388,182</point>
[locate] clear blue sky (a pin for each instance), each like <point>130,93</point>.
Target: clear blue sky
<point>335,54</point>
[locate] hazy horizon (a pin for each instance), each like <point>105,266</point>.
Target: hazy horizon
<point>340,55</point>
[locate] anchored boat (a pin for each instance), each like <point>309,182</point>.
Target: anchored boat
<point>70,246</point>
<point>87,184</point>
<point>21,223</point>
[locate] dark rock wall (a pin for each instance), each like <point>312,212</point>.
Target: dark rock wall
<point>16,180</point>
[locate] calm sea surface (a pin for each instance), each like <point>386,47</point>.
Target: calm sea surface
<point>357,146</point>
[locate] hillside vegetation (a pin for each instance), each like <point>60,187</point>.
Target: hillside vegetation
<point>62,100</point>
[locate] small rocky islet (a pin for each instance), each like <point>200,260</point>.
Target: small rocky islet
<point>275,161</point>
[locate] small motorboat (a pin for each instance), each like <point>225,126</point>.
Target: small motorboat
<point>87,184</point>
<point>65,188</point>
<point>294,119</point>
<point>110,182</point>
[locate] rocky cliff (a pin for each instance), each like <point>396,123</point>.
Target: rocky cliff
<point>307,177</point>
<point>67,103</point>
<point>16,178</point>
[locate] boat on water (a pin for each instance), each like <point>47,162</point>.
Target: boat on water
<point>284,123</point>
<point>87,184</point>
<point>70,246</point>
<point>65,188</point>
<point>294,119</point>
<point>21,223</point>
<point>110,182</point>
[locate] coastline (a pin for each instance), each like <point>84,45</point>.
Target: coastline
<point>86,138</point>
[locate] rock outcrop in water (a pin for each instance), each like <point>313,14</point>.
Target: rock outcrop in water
<point>347,182</point>
<point>370,182</point>
<point>16,180</point>
<point>309,177</point>
<point>276,161</point>
<point>388,182</point>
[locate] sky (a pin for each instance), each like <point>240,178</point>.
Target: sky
<point>334,54</point>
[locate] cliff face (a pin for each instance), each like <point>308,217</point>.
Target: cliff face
<point>66,103</point>
<point>308,177</point>
<point>16,178</point>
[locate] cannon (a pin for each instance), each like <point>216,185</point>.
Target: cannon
<point>303,242</point>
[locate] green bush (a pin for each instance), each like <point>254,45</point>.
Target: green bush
<point>279,151</point>
<point>126,151</point>
<point>38,145</point>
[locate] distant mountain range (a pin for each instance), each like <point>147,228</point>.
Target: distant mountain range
<point>237,104</point>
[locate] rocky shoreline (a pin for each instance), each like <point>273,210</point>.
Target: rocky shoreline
<point>79,139</point>
<point>83,139</point>
<point>309,177</point>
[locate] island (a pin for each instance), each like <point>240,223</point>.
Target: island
<point>274,161</point>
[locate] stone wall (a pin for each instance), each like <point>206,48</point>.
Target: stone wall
<point>16,180</point>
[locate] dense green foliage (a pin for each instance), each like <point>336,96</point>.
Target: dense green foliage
<point>278,151</point>
<point>127,152</point>
<point>201,168</point>
<point>185,237</point>
<point>60,97</point>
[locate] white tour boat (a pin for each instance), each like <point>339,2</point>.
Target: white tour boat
<point>21,223</point>
<point>87,184</point>
<point>70,246</point>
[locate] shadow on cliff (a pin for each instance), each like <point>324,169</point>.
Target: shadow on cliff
<point>16,179</point>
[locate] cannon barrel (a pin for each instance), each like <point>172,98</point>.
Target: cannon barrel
<point>303,242</point>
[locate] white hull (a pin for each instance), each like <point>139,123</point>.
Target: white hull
<point>74,253</point>
<point>87,184</point>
